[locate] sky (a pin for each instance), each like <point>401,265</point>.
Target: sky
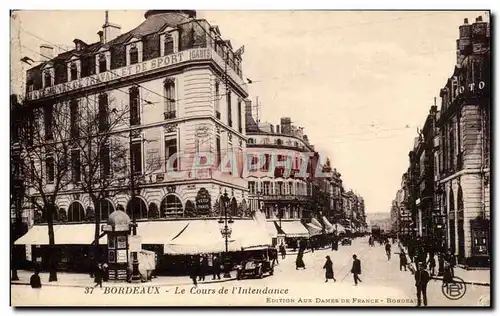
<point>359,82</point>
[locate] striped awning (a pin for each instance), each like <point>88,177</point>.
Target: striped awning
<point>329,227</point>
<point>294,229</point>
<point>313,229</point>
<point>67,234</point>
<point>316,223</point>
<point>204,236</point>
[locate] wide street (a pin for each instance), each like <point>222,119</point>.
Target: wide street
<point>383,285</point>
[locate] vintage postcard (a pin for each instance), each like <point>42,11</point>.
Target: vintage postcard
<point>250,158</point>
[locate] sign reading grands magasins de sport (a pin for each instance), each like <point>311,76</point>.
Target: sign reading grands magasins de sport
<point>119,73</point>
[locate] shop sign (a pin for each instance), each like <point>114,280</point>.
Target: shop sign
<point>120,73</point>
<point>121,256</point>
<point>471,87</point>
<point>203,201</point>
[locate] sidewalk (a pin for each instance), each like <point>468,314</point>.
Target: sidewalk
<point>84,280</point>
<point>480,277</point>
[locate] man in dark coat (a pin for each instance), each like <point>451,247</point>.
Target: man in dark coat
<point>35,281</point>
<point>403,261</point>
<point>98,276</point>
<point>299,263</point>
<point>282,251</point>
<point>193,265</point>
<point>356,269</point>
<point>329,269</point>
<point>421,280</point>
<point>216,267</point>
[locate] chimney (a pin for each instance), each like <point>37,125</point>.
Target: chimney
<point>466,21</point>
<point>47,52</point>
<point>277,129</point>
<point>286,126</point>
<point>101,37</point>
<point>111,31</point>
<point>479,19</point>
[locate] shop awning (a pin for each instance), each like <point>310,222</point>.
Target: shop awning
<point>317,223</point>
<point>250,235</point>
<point>340,229</point>
<point>204,236</point>
<point>274,229</point>
<point>294,229</point>
<point>68,234</point>
<point>313,229</point>
<point>159,232</point>
<point>328,225</point>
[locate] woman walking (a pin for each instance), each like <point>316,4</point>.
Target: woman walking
<point>329,269</point>
<point>299,263</point>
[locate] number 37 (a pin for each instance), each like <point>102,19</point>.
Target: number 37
<point>89,290</point>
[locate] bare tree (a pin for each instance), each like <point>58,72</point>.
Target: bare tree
<point>101,152</point>
<point>44,154</point>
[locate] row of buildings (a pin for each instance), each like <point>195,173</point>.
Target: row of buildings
<point>445,194</point>
<point>157,122</point>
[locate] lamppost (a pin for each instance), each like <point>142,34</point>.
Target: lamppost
<point>226,230</point>
<point>136,276</point>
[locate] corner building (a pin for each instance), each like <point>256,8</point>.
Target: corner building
<point>183,83</point>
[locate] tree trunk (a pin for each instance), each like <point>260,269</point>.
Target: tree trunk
<point>52,253</point>
<point>97,219</point>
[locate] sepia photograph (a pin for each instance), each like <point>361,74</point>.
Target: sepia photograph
<point>271,158</point>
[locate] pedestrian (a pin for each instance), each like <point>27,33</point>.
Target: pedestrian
<point>329,270</point>
<point>403,261</point>
<point>35,281</point>
<point>311,246</point>
<point>447,274</point>
<point>441,264</point>
<point>432,265</point>
<point>202,268</point>
<point>105,272</point>
<point>356,269</point>
<point>98,276</point>
<point>216,267</point>
<point>299,262</point>
<point>388,250</point>
<point>421,280</point>
<point>193,269</point>
<point>282,251</point>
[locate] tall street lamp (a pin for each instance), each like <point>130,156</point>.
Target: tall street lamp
<point>226,230</point>
<point>279,213</point>
<point>136,276</point>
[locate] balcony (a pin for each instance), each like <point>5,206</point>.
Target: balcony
<point>168,115</point>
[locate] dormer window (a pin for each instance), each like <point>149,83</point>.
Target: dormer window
<point>102,61</point>
<point>134,52</point>
<point>73,72</point>
<point>168,44</point>
<point>48,78</point>
<point>103,65</point>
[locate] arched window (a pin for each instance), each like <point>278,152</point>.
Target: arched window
<point>189,209</point>
<point>234,207</point>
<point>153,210</point>
<point>171,206</point>
<point>76,212</point>
<point>251,141</point>
<point>138,206</point>
<point>105,208</point>
<point>279,142</point>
